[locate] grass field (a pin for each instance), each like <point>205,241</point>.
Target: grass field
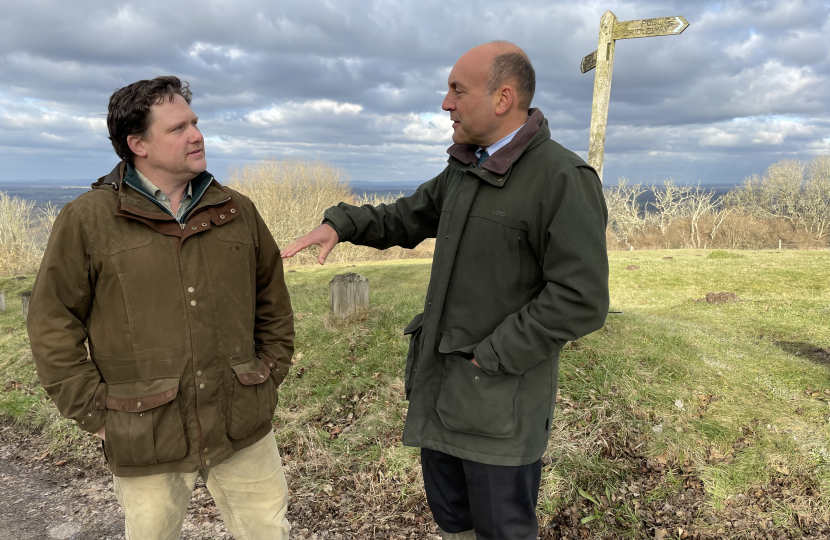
<point>679,419</point>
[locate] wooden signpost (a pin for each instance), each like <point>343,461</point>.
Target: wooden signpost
<point>610,30</point>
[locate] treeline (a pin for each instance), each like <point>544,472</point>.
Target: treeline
<point>790,204</point>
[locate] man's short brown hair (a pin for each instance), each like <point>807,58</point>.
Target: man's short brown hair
<point>128,112</point>
<point>515,67</point>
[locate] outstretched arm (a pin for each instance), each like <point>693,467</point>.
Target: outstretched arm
<point>405,223</point>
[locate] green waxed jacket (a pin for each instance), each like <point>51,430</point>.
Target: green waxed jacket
<point>190,330</point>
<point>520,268</point>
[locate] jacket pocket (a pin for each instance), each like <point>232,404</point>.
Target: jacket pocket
<point>253,398</point>
<point>471,401</point>
<point>413,330</point>
<point>144,425</point>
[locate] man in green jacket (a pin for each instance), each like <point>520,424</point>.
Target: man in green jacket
<point>176,286</point>
<point>520,268</point>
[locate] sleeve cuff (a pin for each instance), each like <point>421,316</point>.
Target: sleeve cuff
<point>340,222</point>
<point>93,418</point>
<point>486,357</point>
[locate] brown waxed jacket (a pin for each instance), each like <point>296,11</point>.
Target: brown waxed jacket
<point>190,331</point>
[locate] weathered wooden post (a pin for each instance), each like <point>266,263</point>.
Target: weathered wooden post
<point>349,294</point>
<point>2,300</point>
<point>610,30</point>
<point>24,301</point>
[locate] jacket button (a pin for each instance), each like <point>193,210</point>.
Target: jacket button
<point>202,386</point>
<point>233,210</point>
<point>221,216</point>
<point>97,403</point>
<point>142,414</point>
<point>138,404</point>
<point>191,289</point>
<point>204,224</point>
<point>90,414</point>
<point>499,179</point>
<point>207,462</point>
<point>262,376</point>
<point>199,373</point>
<point>194,228</point>
<point>207,450</point>
<point>476,377</point>
<point>193,302</point>
<point>270,364</point>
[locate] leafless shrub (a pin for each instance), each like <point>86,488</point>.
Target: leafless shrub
<point>292,194</point>
<point>23,234</point>
<point>793,191</point>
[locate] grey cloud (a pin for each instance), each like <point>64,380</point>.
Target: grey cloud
<point>680,105</point>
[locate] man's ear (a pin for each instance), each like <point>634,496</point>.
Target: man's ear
<point>137,145</point>
<point>507,98</point>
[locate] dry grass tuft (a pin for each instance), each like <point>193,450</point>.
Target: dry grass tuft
<point>23,234</point>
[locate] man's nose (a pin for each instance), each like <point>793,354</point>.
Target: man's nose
<point>448,104</point>
<point>195,134</point>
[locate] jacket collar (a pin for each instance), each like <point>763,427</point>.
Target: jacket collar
<point>501,161</point>
<point>131,201</point>
<point>198,185</point>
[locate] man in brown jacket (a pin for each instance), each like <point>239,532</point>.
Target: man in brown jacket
<point>176,285</point>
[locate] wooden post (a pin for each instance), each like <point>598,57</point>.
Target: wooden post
<point>2,301</point>
<point>602,91</point>
<point>349,294</point>
<point>24,301</point>
<point>610,30</point>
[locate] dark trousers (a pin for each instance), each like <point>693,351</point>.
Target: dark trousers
<point>499,502</point>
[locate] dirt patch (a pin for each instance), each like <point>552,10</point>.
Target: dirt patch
<point>45,496</point>
<point>720,298</point>
<point>632,267</point>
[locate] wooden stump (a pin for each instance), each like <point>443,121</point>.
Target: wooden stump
<point>24,301</point>
<point>349,294</point>
<point>2,301</point>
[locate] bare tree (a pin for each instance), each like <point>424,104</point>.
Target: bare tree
<point>816,197</point>
<point>700,203</point>
<point>624,210</point>
<point>668,203</point>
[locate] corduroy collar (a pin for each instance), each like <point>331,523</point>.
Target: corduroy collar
<point>499,162</point>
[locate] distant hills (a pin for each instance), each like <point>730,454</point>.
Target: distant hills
<point>60,192</point>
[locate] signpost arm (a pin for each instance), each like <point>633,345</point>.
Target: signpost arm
<point>602,91</point>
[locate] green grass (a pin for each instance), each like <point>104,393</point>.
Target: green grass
<point>729,394</point>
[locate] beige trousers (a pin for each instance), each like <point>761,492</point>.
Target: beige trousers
<point>249,490</point>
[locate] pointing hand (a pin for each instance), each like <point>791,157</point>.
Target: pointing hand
<point>324,236</point>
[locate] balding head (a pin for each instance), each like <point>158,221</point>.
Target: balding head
<point>505,63</point>
<point>511,65</point>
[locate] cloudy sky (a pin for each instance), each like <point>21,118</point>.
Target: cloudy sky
<point>360,83</point>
